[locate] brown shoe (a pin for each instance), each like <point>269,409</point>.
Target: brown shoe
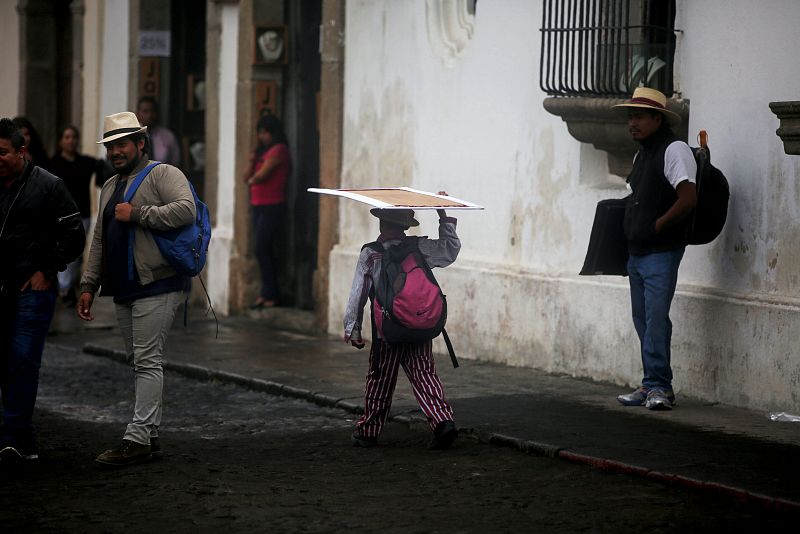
<point>129,453</point>
<point>155,447</point>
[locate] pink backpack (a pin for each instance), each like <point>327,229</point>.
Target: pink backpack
<point>408,304</point>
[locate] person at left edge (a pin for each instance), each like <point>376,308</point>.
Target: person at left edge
<point>148,291</point>
<point>40,233</point>
<point>76,170</point>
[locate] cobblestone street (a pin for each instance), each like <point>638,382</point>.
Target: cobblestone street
<point>244,461</point>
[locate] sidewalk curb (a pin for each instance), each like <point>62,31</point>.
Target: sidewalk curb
<point>526,446</point>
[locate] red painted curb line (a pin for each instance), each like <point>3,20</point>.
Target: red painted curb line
<point>744,496</point>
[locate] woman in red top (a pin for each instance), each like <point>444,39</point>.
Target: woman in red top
<point>267,177</point>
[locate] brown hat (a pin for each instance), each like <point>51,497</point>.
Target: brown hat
<point>119,125</point>
<point>401,217</point>
<point>644,97</point>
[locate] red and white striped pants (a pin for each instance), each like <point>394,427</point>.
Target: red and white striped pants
<point>384,361</point>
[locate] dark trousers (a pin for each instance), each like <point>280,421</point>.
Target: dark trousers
<point>267,223</point>
<point>24,321</point>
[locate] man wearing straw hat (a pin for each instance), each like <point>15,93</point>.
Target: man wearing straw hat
<point>125,263</point>
<point>663,194</point>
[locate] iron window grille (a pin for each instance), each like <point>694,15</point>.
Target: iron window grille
<point>606,47</point>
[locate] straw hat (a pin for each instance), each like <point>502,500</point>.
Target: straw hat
<point>119,125</point>
<point>646,98</point>
<point>400,217</point>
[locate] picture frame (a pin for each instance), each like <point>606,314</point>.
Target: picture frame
<point>269,45</point>
<point>195,93</point>
<point>193,150</point>
<point>266,98</point>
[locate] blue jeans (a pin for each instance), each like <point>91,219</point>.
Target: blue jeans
<point>653,278</point>
<point>24,322</point>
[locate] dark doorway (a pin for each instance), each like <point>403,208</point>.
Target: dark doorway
<point>299,257</point>
<point>48,81</point>
<point>186,113</point>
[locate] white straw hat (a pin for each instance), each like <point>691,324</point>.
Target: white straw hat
<point>119,125</point>
<point>644,97</point>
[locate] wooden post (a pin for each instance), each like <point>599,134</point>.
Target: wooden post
<point>330,146</point>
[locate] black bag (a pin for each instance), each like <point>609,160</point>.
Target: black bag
<point>713,193</point>
<point>608,246</point>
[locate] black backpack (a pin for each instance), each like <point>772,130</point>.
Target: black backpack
<point>708,218</point>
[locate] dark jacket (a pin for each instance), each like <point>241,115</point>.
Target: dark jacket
<point>77,176</point>
<point>652,197</point>
<point>40,228</point>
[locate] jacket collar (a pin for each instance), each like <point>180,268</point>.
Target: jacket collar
<point>389,235</point>
<point>26,172</point>
<point>657,139</point>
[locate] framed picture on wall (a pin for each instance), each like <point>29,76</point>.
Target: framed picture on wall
<point>269,45</point>
<point>194,153</point>
<point>195,93</point>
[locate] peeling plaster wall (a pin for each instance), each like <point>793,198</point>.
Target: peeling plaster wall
<point>475,126</point>
<point>9,37</point>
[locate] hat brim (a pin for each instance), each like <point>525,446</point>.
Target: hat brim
<point>386,216</point>
<point>673,117</point>
<point>120,135</point>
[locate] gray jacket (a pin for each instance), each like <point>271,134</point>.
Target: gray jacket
<point>163,201</point>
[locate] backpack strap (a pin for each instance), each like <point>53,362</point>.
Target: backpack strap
<point>137,181</point>
<point>450,348</point>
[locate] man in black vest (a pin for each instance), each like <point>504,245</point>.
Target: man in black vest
<point>664,193</point>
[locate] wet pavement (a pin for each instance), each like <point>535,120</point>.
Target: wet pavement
<point>705,447</point>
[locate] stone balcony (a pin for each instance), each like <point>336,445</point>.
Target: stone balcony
<point>593,120</point>
<point>789,131</point>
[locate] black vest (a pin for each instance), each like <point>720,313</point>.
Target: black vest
<point>652,197</point>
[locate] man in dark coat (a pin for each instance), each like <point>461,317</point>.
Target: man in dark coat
<point>40,233</point>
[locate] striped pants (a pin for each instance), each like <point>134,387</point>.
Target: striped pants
<point>417,362</point>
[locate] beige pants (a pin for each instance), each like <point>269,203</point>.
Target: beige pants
<point>145,324</point>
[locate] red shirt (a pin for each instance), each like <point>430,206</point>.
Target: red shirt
<point>273,189</point>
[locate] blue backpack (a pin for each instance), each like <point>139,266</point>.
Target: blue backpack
<point>184,248</point>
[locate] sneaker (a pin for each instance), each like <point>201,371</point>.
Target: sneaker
<point>15,453</point>
<point>362,441</point>
<point>444,435</point>
<point>11,454</point>
<point>660,399</point>
<point>128,453</point>
<point>637,398</point>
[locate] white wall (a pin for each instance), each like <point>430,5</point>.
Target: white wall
<point>477,129</point>
<point>9,44</point>
<point>114,60</point>
<point>222,234</point>
<point>93,41</point>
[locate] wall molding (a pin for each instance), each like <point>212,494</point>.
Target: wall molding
<point>450,28</point>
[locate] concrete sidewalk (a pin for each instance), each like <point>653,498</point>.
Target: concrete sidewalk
<point>698,445</point>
